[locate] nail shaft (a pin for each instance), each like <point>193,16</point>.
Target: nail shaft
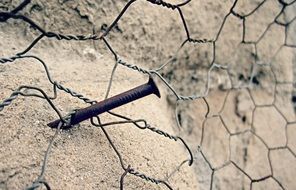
<point>110,103</point>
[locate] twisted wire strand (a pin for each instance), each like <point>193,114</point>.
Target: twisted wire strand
<point>165,4</point>
<point>73,93</point>
<point>147,178</point>
<point>7,15</point>
<point>8,101</point>
<point>199,41</point>
<point>7,60</point>
<point>133,67</point>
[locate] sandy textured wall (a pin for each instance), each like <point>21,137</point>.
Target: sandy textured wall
<point>233,78</point>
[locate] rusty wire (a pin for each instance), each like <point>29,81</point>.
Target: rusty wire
<point>156,72</point>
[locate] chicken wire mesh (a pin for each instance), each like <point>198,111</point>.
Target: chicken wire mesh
<point>260,90</point>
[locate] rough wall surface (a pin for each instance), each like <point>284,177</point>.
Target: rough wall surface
<point>233,80</point>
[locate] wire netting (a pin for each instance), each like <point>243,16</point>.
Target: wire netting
<point>263,84</point>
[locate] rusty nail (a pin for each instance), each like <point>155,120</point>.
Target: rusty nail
<point>110,103</point>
